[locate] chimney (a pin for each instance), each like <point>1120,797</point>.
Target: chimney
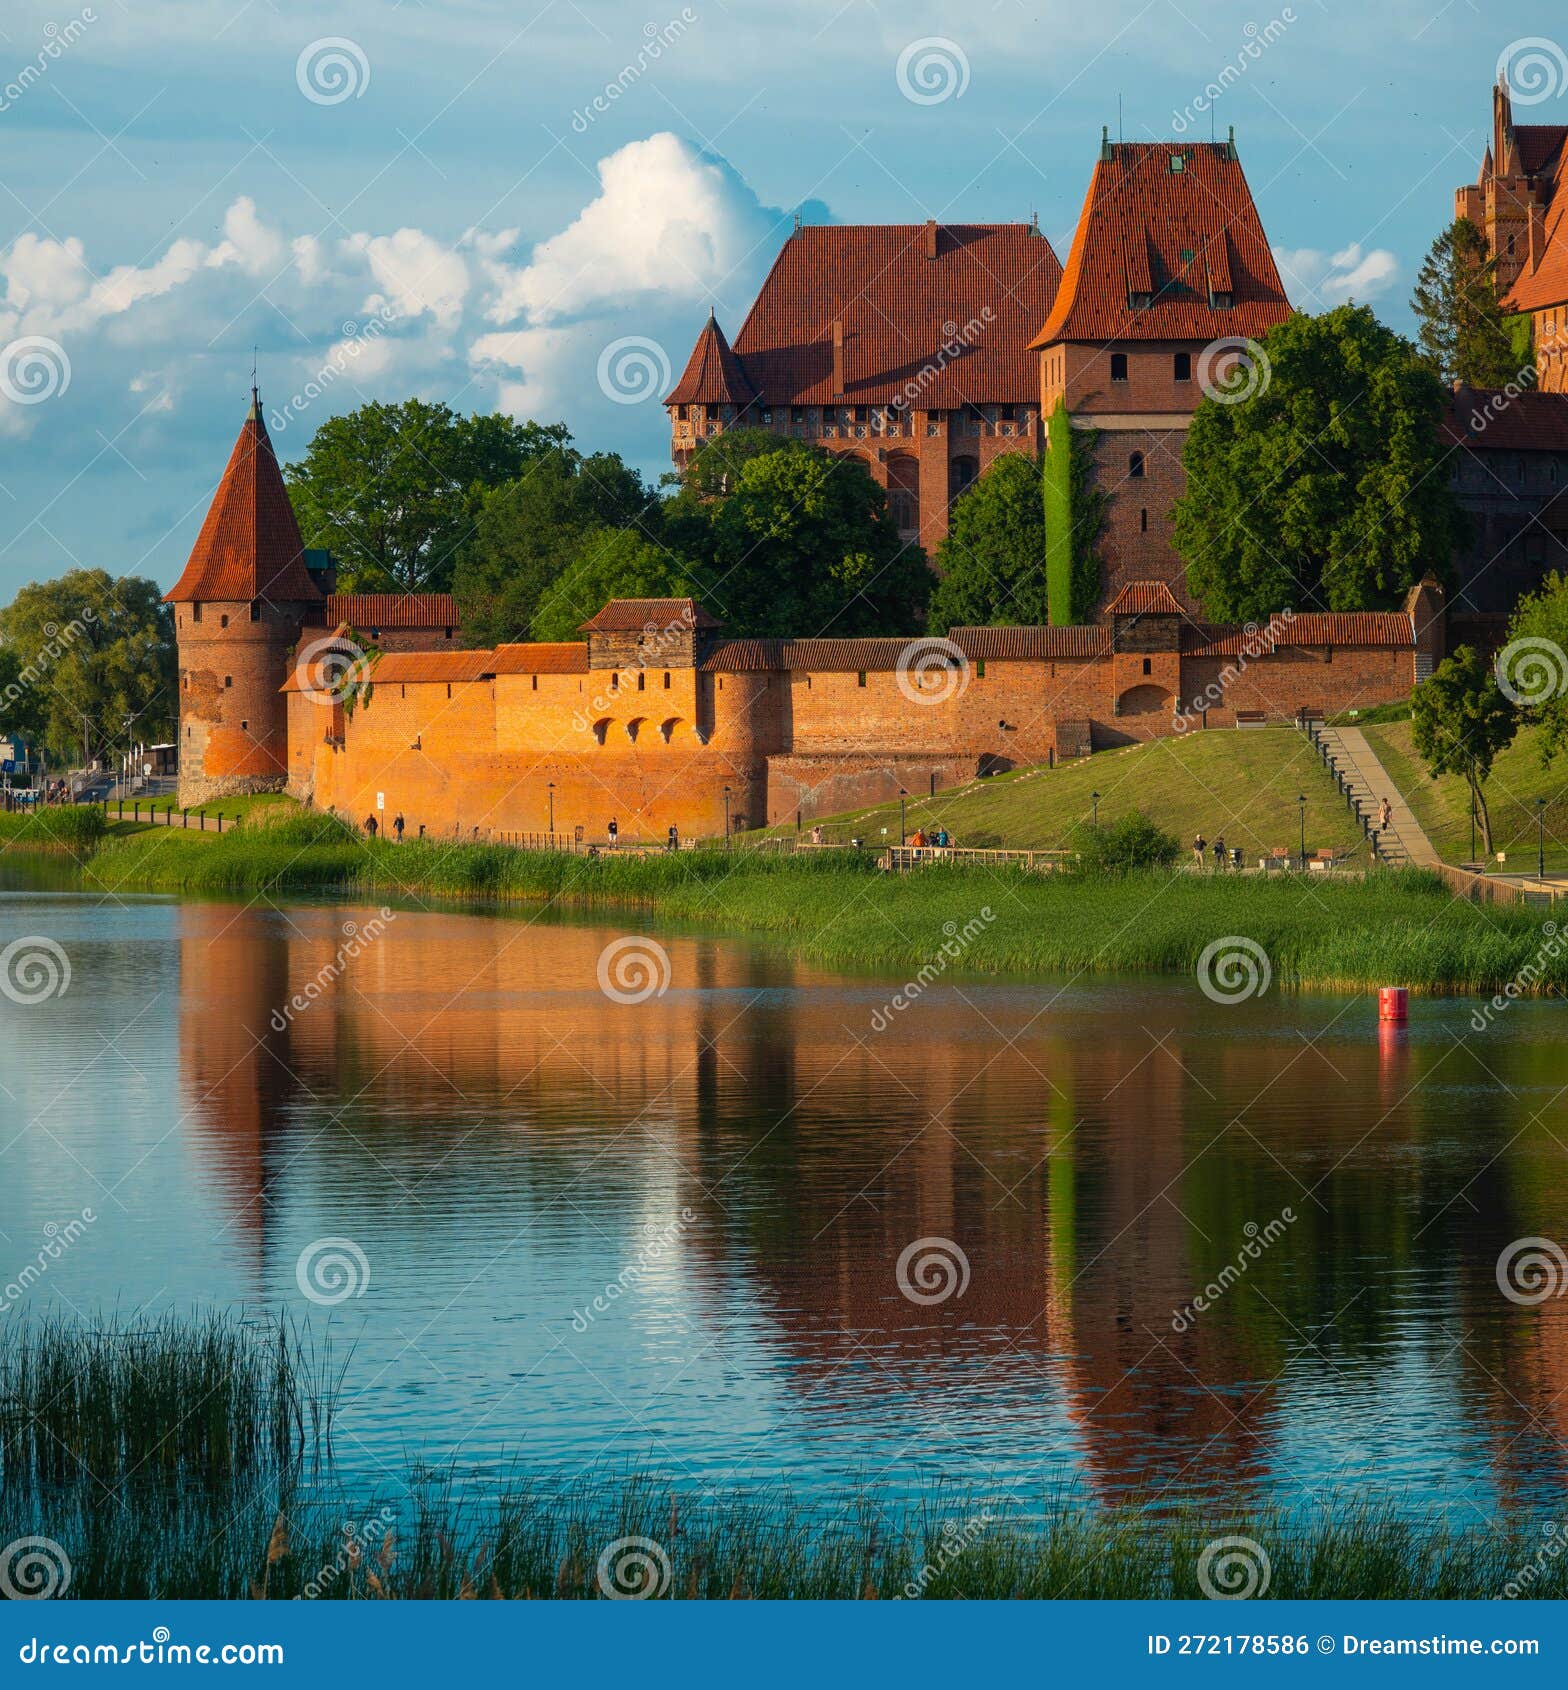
<point>838,357</point>
<point>931,238</point>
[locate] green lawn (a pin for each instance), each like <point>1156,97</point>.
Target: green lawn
<point>1443,806</point>
<point>1239,783</point>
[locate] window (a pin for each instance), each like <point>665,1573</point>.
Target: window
<point>615,683</point>
<point>255,610</point>
<point>1143,521</point>
<point>1007,413</point>
<point>1135,466</point>
<point>979,668</point>
<point>767,421</point>
<point>860,679</point>
<point>1182,366</point>
<point>228,680</point>
<point>223,621</point>
<point>1221,301</point>
<point>449,689</point>
<point>535,680</point>
<point>446,633</point>
<point>797,413</point>
<point>861,413</point>
<point>195,613</point>
<point>1178,163</point>
<point>1148,666</point>
<point>1118,366</point>
<point>666,680</point>
<point>244,727</point>
<point>642,681</point>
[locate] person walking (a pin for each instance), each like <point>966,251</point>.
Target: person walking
<point>370,824</point>
<point>1199,846</point>
<point>1219,852</point>
<point>614,831</point>
<point>398,825</point>
<point>1385,814</point>
<point>673,840</point>
<point>816,836</point>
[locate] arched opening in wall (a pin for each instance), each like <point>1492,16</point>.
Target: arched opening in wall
<point>961,474</point>
<point>601,728</point>
<point>1145,701</point>
<point>903,491</point>
<point>668,729</point>
<point>634,727</point>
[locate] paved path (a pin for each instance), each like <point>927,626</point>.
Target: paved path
<point>1403,840</point>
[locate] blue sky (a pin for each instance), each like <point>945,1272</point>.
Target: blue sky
<point>427,197</point>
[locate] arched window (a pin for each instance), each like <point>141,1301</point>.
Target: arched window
<point>1118,366</point>
<point>961,475</point>
<point>601,728</point>
<point>1135,466</point>
<point>903,491</point>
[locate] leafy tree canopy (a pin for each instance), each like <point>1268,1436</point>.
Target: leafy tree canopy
<point>529,532</point>
<point>1326,488</point>
<point>612,563</point>
<point>1130,843</point>
<point>1534,663</point>
<point>1459,721</point>
<point>800,543</point>
<point>992,562</point>
<point>393,490</point>
<point>92,663</point>
<point>1463,332</point>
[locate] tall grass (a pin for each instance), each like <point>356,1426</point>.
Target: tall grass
<point>1394,927</point>
<point>209,1401</point>
<point>76,828</point>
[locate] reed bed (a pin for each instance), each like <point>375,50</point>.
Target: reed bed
<point>73,828</point>
<point>633,1536</point>
<point>1393,927</point>
<point>207,1401</point>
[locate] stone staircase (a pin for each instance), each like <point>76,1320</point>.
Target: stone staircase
<point>1366,784</point>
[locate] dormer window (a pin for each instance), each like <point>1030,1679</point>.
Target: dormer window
<point>1178,163</point>
<point>1140,301</point>
<point>1221,301</point>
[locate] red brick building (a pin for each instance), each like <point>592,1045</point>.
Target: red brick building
<point>929,350</point>
<point>905,345</point>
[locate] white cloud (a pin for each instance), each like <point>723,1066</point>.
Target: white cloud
<point>666,221</point>
<point>248,242</point>
<point>416,273</point>
<point>1319,280</point>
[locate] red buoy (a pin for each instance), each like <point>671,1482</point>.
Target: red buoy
<point>1393,1003</point>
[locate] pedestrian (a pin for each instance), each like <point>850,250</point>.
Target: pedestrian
<point>816,836</point>
<point>1219,851</point>
<point>370,825</point>
<point>614,831</point>
<point>398,825</point>
<point>673,842</point>
<point>1385,814</point>
<point>1199,846</point>
<point>943,838</point>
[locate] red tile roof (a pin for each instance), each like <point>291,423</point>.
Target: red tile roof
<point>409,666</point>
<point>980,296</point>
<point>1547,284</point>
<point>1487,421</point>
<point>1026,644</point>
<point>249,546</point>
<point>1540,145</point>
<point>1175,235</point>
<point>1144,598</point>
<point>1382,628</point>
<point>562,657</point>
<point>806,656</point>
<point>625,616</point>
<point>393,610</point>
<point>713,374</point>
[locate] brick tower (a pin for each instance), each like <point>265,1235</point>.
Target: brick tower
<point>240,607</point>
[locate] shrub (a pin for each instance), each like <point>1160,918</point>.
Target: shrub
<point>1121,847</point>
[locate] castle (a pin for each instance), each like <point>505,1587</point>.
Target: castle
<point>927,351</point>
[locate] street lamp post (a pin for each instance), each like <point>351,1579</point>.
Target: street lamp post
<point>1301,800</point>
<point>1540,839</point>
<point>902,795</point>
<point>1472,827</point>
<point>550,793</point>
<point>1094,798</point>
<point>726,818</point>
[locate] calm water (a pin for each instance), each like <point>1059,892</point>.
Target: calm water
<point>735,1168</point>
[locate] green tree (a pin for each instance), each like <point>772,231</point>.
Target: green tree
<point>612,563</point>
<point>991,565</point>
<point>529,532</point>
<point>801,543</point>
<point>1459,721</point>
<point>393,490</point>
<point>1326,487</point>
<point>1463,333</point>
<point>1534,663</point>
<point>95,662</point>
<point>1130,843</point>
<point>1074,515</point>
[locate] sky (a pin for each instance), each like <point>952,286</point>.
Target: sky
<point>532,204</point>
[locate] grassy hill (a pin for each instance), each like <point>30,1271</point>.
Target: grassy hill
<point>1239,783</point>
<point>1443,806</point>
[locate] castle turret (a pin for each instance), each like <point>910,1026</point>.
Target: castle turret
<point>241,605</point>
